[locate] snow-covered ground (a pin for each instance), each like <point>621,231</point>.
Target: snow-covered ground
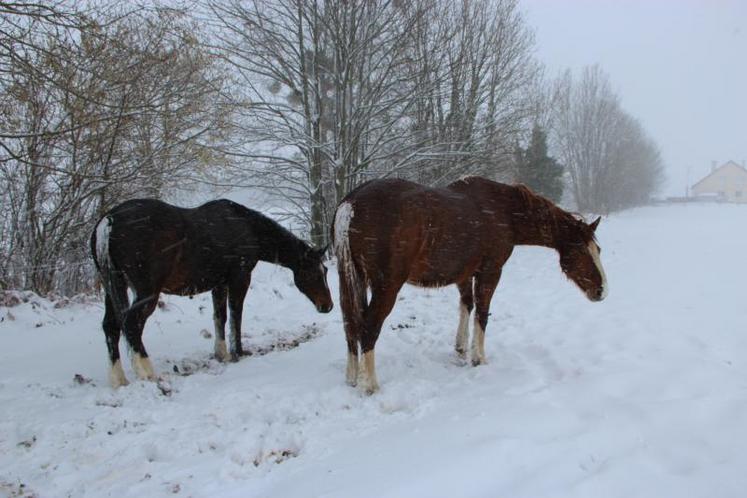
<point>643,395</point>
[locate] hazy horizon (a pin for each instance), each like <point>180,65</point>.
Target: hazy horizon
<point>680,67</point>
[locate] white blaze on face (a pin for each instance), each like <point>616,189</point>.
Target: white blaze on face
<point>116,375</point>
<point>594,251</point>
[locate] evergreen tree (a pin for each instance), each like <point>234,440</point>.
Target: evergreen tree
<point>538,171</point>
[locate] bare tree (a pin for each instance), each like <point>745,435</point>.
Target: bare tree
<point>336,92</point>
<point>323,93</point>
<point>478,61</point>
<point>602,147</point>
<point>122,108</point>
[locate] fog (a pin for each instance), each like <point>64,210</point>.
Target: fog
<point>679,66</point>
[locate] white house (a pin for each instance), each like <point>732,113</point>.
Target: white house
<point>727,182</point>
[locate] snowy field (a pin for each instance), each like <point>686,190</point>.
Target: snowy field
<point>642,395</point>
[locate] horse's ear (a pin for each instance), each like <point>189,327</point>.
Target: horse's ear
<point>594,224</point>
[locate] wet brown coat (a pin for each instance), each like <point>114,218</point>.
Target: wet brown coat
<point>462,234</point>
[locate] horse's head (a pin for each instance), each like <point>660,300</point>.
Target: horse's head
<point>311,279</point>
<point>580,259</point>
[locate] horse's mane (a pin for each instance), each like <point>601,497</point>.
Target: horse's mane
<point>546,210</point>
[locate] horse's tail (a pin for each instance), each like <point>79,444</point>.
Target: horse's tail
<point>111,280</point>
<point>352,281</point>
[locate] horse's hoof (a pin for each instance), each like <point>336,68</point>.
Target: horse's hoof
<point>476,362</point>
<point>369,387</point>
<point>117,383</point>
<point>461,352</point>
<point>351,376</point>
<point>221,352</point>
<point>116,376</point>
<point>143,367</point>
<point>235,357</point>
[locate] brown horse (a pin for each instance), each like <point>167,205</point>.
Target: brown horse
<point>388,232</point>
<point>151,247</point>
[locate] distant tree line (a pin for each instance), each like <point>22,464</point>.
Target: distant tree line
<point>611,162</point>
<point>304,99</point>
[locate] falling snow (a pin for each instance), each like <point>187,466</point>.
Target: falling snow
<point>644,394</point>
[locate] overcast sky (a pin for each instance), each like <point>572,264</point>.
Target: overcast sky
<point>680,66</point>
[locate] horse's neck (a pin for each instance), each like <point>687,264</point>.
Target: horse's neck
<point>277,245</point>
<point>535,224</point>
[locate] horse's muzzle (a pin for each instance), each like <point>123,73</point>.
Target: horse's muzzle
<point>596,295</point>
<point>324,308</point>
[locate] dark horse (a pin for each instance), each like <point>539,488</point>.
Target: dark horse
<point>153,247</point>
<point>388,232</point>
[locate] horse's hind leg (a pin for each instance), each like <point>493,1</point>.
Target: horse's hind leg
<point>134,321</point>
<point>485,284</point>
<point>466,303</point>
<point>112,326</point>
<point>382,302</point>
<point>219,319</point>
<point>353,305</point>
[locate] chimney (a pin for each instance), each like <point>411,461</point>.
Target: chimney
<point>714,164</point>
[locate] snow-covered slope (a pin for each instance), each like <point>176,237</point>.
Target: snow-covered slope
<point>642,395</point>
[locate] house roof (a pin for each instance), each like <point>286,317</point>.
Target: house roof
<point>715,171</point>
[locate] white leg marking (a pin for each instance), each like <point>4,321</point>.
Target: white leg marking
<point>462,337</point>
<point>368,374</point>
<point>221,351</point>
<point>478,344</point>
<point>351,374</point>
<point>117,376</point>
<point>143,367</point>
<point>594,251</point>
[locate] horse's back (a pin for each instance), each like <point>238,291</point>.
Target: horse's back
<point>402,230</point>
<point>180,250</point>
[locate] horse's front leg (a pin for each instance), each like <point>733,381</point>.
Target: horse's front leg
<point>466,303</point>
<point>220,295</point>
<point>485,284</point>
<point>236,294</point>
